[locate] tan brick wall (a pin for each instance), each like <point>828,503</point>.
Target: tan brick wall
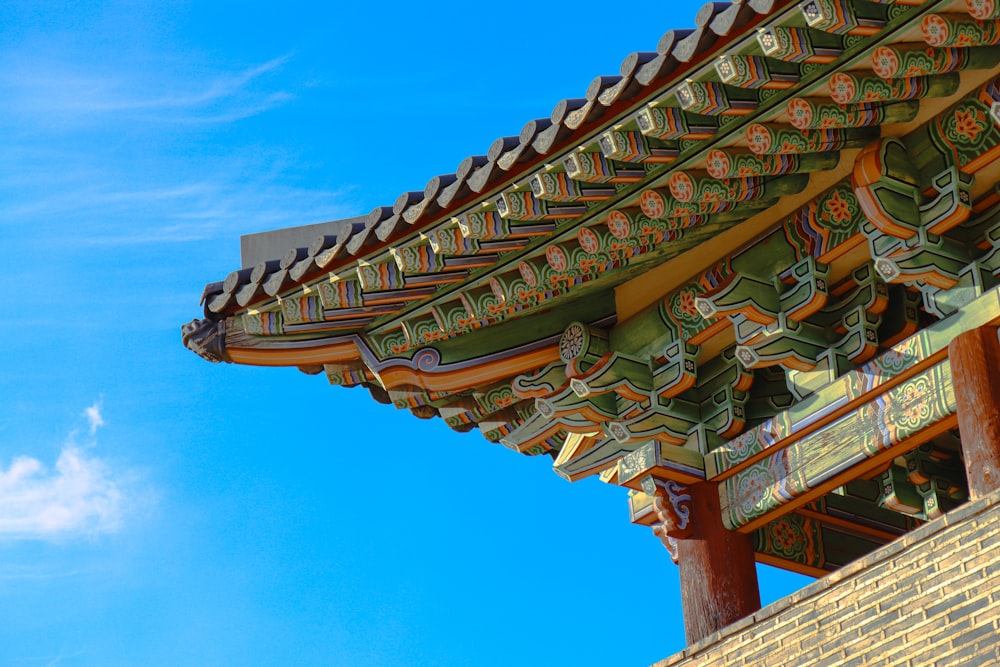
<point>931,597</point>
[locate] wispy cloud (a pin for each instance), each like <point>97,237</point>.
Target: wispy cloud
<point>136,161</point>
<point>79,495</point>
<point>16,572</point>
<point>205,210</point>
<point>57,89</point>
<point>94,418</point>
<point>234,197</point>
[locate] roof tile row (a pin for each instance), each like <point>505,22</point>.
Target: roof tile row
<point>641,74</point>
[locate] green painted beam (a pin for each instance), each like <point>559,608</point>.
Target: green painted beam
<point>850,390</point>
<point>870,435</point>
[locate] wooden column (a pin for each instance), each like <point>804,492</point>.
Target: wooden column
<point>975,372</point>
<point>717,568</point>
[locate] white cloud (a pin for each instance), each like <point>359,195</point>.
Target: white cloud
<point>94,418</point>
<point>79,495</point>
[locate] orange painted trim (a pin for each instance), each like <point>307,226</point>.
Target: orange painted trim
<point>335,353</point>
<point>848,525</point>
<point>791,566</point>
<point>847,246</point>
<point>982,161</point>
<point>708,332</point>
<point>989,199</point>
<point>469,376</point>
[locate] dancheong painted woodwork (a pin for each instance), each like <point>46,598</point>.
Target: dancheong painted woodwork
<point>734,269</point>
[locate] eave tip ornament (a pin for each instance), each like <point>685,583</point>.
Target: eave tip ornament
<point>207,339</point>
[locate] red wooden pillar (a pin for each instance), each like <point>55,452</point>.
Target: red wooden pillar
<point>975,373</point>
<point>717,568</point>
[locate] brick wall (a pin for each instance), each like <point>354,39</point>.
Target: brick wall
<point>931,597</point>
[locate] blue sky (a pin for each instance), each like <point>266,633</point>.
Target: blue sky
<point>156,509</point>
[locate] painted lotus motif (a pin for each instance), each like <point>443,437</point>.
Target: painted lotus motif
<point>754,487</point>
<point>969,123</point>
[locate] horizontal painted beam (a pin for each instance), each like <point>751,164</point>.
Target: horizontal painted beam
<point>862,440</point>
<point>856,388</point>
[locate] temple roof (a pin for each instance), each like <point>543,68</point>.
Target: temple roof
<point>508,159</point>
<point>748,75</point>
<point>737,208</point>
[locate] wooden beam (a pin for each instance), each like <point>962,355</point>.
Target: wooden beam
<point>858,443</point>
<point>852,390</point>
<point>975,362</point>
<point>718,575</point>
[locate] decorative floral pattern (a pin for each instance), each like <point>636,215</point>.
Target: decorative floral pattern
<point>969,123</point>
<point>793,538</point>
<point>838,208</point>
<point>800,113</point>
<point>681,186</point>
<point>687,303</point>
<point>843,88</point>
<point>571,343</point>
<point>556,257</point>
<point>683,305</point>
<point>758,139</point>
<point>718,164</point>
<point>754,487</point>
<point>619,225</point>
<point>497,290</point>
<point>588,241</point>
<point>981,10</point>
<point>908,406</point>
<point>652,204</point>
<point>935,30</point>
<point>885,62</point>
<point>528,274</point>
<point>893,361</point>
<point>785,536</point>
